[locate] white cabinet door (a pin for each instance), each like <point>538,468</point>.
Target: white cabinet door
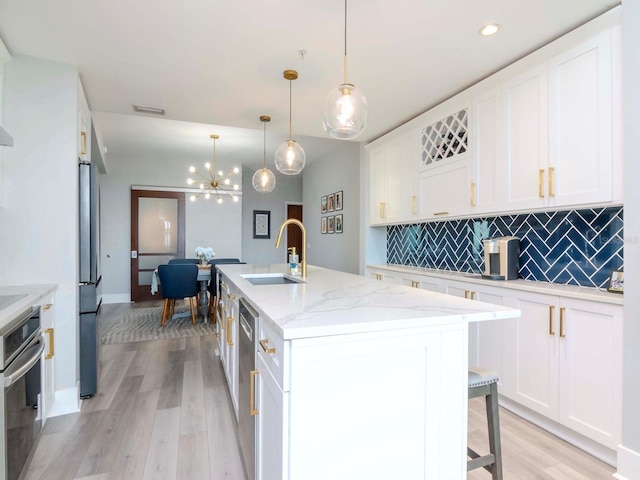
<point>487,185</point>
<point>47,322</point>
<point>377,189</point>
<point>534,353</point>
<point>580,124</point>
<point>525,156</point>
<point>393,181</point>
<point>445,191</point>
<point>590,336</point>
<point>271,426</point>
<point>487,340</point>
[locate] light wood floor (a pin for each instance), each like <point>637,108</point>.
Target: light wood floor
<point>163,412</point>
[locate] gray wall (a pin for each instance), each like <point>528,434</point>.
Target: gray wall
<point>208,223</point>
<point>629,454</point>
<point>338,171</point>
<point>288,189</point>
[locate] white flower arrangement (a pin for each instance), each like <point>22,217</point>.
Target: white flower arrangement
<point>204,253</point>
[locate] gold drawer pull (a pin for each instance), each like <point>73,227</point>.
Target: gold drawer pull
<point>551,332</point>
<point>252,393</point>
<point>51,352</point>
<point>466,294</point>
<point>473,194</point>
<point>551,169</point>
<point>562,335</point>
<point>441,213</point>
<point>414,210</point>
<point>264,344</point>
<point>473,295</point>
<point>229,339</point>
<point>83,143</point>
<point>46,306</point>
<point>232,297</point>
<point>540,174</point>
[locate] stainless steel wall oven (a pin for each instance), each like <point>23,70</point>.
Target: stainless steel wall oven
<point>21,347</point>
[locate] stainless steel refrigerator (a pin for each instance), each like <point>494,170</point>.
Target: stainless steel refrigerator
<point>89,277</point>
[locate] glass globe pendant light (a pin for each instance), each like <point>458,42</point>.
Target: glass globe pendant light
<point>264,180</point>
<point>290,156</point>
<point>346,111</point>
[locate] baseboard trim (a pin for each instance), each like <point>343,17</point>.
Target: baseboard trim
<point>116,298</point>
<point>65,402</point>
<point>628,464</point>
<point>576,439</point>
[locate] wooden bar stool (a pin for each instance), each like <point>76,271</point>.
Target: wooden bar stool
<point>484,383</point>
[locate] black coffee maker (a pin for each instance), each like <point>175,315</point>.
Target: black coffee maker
<point>501,258</point>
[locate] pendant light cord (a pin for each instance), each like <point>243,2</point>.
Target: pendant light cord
<point>345,41</point>
<point>264,165</point>
<point>290,135</point>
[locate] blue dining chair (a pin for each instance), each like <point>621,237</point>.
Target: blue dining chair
<point>213,284</point>
<point>184,260</point>
<point>177,282</point>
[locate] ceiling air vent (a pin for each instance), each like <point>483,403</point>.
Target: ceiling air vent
<point>153,110</point>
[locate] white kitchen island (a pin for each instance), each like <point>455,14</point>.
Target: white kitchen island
<point>356,378</point>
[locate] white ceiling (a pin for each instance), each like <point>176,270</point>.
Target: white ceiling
<point>219,63</point>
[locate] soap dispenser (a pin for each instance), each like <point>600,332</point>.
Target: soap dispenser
<point>294,267</point>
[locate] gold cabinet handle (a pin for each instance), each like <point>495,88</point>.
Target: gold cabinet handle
<point>473,194</point>
<point>551,169</point>
<point>551,332</point>
<point>46,306</point>
<point>540,175</point>
<point>223,285</point>
<point>229,339</point>
<point>252,393</point>
<point>562,335</point>
<point>414,210</point>
<point>466,294</point>
<point>83,143</point>
<point>441,213</point>
<point>265,346</point>
<point>232,297</point>
<point>51,352</point>
<point>383,210</point>
<point>473,295</point>
<point>378,276</point>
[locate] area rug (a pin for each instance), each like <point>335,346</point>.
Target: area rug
<point>143,324</point>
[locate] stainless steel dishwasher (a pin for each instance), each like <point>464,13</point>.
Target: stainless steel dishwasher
<point>246,386</point>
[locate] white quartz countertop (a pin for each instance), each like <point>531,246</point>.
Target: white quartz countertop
<point>572,291</point>
<point>14,300</point>
<point>337,303</point>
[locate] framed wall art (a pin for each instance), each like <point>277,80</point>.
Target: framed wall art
<point>323,225</point>
<point>339,200</point>
<point>261,224</point>
<point>331,206</point>
<point>338,223</point>
<point>330,223</point>
<point>323,204</point>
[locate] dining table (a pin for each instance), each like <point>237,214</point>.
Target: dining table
<point>204,276</point>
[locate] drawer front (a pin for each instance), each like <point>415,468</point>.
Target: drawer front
<point>274,351</point>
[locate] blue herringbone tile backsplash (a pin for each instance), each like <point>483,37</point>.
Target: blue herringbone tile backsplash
<point>577,247</point>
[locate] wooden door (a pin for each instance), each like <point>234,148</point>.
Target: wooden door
<point>294,235</point>
<point>157,235</point>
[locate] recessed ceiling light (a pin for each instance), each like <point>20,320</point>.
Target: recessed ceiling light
<point>489,29</point>
<point>143,109</point>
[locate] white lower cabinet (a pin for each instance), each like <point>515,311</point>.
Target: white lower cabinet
<point>271,425</point>
<point>326,422</point>
<point>487,340</point>
<point>228,340</point>
<point>47,323</point>
<point>566,362</point>
<point>562,359</point>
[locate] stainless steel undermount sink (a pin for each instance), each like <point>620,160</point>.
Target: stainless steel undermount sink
<point>270,279</point>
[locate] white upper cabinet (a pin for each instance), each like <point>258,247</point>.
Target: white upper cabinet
<point>580,124</point>
<point>392,181</point>
<point>525,157</point>
<point>445,171</point>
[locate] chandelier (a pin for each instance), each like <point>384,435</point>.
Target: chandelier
<point>212,182</point>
